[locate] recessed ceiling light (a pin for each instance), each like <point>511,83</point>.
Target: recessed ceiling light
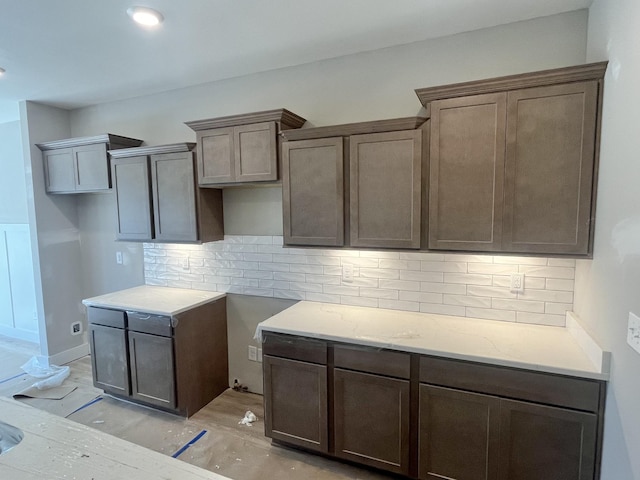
<point>2,70</point>
<point>145,16</point>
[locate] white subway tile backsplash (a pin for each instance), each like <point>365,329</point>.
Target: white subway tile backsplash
<point>446,284</point>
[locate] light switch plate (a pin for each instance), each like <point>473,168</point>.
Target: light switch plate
<point>633,332</point>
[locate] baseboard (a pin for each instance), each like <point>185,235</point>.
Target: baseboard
<point>25,335</point>
<point>69,355</point>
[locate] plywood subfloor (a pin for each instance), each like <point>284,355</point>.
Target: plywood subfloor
<point>237,451</point>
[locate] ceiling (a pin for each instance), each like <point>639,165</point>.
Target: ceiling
<point>74,53</point>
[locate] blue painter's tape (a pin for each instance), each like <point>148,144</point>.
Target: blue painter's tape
<point>193,440</point>
<point>11,378</point>
<point>95,400</point>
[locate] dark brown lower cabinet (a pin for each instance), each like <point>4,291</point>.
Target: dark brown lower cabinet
<point>431,417</point>
<point>459,434</point>
<point>371,420</point>
<point>295,396</point>
<point>152,372</point>
<point>538,442</point>
<point>109,358</point>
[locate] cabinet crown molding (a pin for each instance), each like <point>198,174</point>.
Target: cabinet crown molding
<point>347,129</point>
<point>154,150</point>
<point>578,73</point>
<point>115,141</point>
<point>280,115</point>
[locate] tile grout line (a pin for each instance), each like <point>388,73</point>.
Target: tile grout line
<point>191,442</point>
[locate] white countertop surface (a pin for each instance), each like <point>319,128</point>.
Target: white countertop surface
<point>151,299</point>
<point>56,448</point>
<point>534,347</point>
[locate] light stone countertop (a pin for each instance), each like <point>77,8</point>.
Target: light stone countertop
<point>533,347</point>
<point>151,299</point>
<point>54,447</point>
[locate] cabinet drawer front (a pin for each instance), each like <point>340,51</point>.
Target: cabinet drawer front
<point>148,323</point>
<point>107,317</point>
<point>370,360</point>
<point>296,348</point>
<point>570,392</point>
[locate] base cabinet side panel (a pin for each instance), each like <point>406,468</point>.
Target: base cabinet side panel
<point>371,424</point>
<point>542,442</point>
<point>458,434</point>
<point>295,395</point>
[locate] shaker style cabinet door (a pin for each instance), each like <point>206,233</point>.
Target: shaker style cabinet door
<point>174,197</point>
<point>538,441</point>
<point>549,168</point>
<point>295,395</point>
<point>313,192</point>
<point>467,172</point>
<point>216,157</point>
<point>133,198</point>
<point>109,359</point>
<point>256,154</point>
<point>458,434</point>
<point>59,174</point>
<point>152,370</point>
<point>385,189</point>
<point>92,168</point>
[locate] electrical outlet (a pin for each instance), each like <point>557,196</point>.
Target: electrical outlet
<point>633,332</point>
<point>260,355</point>
<point>76,328</point>
<point>185,263</point>
<point>119,258</point>
<point>253,353</point>
<point>517,283</point>
<point>347,272</point>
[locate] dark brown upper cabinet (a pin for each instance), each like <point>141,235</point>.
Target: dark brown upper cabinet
<point>357,184</point>
<point>513,162</point>
<point>157,198</point>
<point>80,165</point>
<point>241,148</point>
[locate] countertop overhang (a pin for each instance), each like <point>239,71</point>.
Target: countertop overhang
<point>151,299</point>
<point>531,347</point>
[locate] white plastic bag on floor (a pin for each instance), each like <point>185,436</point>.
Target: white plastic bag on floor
<point>52,375</point>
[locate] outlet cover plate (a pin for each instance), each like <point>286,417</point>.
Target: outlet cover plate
<point>517,283</point>
<point>633,332</point>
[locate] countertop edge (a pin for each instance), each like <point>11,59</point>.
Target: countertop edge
<point>92,303</point>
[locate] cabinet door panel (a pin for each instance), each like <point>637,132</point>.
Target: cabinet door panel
<point>133,200</point>
<point>549,168</point>
<point>296,403</point>
<point>109,359</point>
<point>256,156</point>
<point>92,167</point>
<point>371,423</point>
<point>313,192</point>
<point>215,156</point>
<point>174,197</point>
<point>58,169</point>
<point>385,179</point>
<point>459,434</point>
<point>541,442</point>
<point>467,172</point>
<point>152,369</point>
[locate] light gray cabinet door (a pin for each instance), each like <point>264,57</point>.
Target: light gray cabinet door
<point>133,199</point>
<point>91,168</point>
<point>549,168</point>
<point>313,192</point>
<point>109,359</point>
<point>58,170</point>
<point>256,155</point>
<point>174,197</point>
<point>385,189</point>
<point>466,180</point>
<point>152,369</point>
<point>216,157</point>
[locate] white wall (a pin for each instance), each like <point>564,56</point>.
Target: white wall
<point>13,189</point>
<point>367,86</point>
<point>607,288</point>
<point>55,238</point>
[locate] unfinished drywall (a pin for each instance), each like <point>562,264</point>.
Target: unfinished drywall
<point>607,286</point>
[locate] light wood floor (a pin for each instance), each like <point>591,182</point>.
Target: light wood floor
<point>236,451</point>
